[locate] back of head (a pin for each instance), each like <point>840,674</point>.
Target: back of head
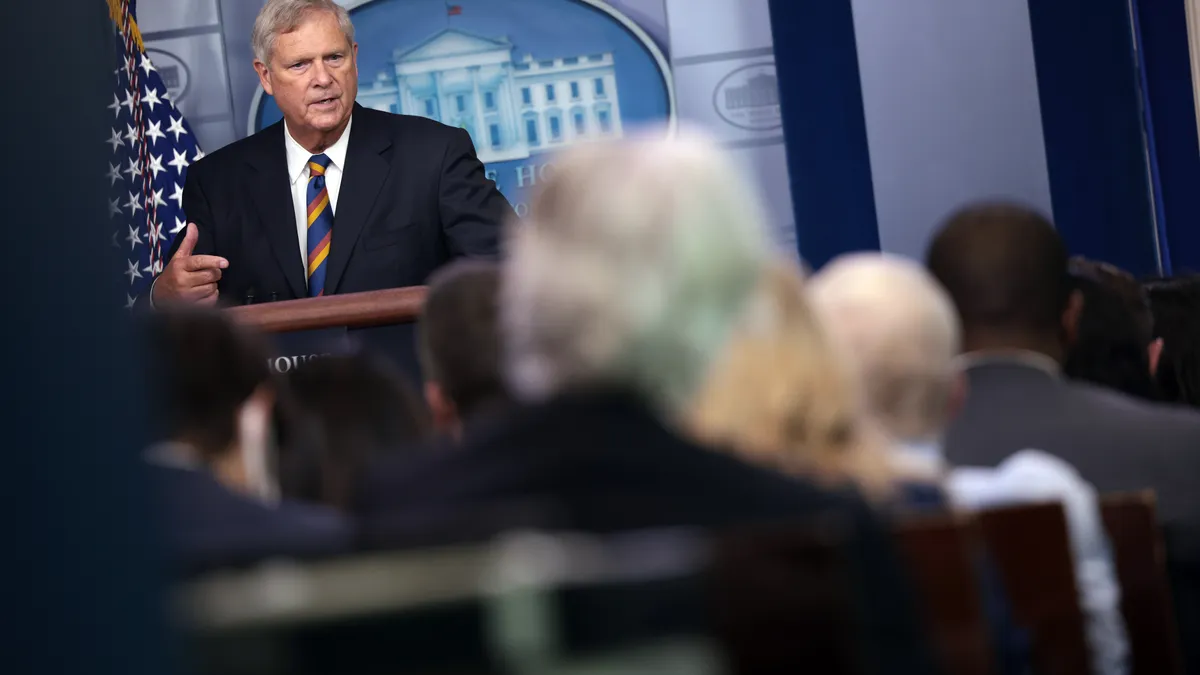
<point>346,411</point>
<point>902,333</point>
<point>1006,270</point>
<point>783,395</point>
<point>203,370</point>
<point>459,336</point>
<point>1115,331</point>
<point>630,269</point>
<point>1176,305</point>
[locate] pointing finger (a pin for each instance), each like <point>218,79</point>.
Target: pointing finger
<point>196,263</point>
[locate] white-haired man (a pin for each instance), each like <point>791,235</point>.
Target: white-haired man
<point>335,198</point>
<point>620,288</point>
<point>903,334</point>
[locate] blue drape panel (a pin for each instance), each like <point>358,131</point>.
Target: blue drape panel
<point>1092,121</point>
<point>1168,88</point>
<point>823,122</point>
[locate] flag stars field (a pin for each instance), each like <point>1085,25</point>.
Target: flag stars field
<point>145,202</point>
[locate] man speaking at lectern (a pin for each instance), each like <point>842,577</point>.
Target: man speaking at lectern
<point>336,198</point>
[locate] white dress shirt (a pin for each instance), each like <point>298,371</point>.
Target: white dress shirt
<point>1035,476</point>
<point>298,175</point>
<point>297,166</point>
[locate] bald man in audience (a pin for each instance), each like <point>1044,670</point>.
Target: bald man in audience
<point>1006,270</point>
<point>901,331</point>
<point>902,334</point>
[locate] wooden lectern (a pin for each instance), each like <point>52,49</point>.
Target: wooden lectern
<point>378,321</point>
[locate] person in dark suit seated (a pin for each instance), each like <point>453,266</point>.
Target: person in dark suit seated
<point>335,198</point>
<point>903,333</point>
<point>458,340</point>
<point>341,413</point>
<point>212,470</point>
<point>1006,270</point>
<point>619,290</point>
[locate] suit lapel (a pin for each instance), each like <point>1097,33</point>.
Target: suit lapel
<point>365,172</point>
<point>272,195</point>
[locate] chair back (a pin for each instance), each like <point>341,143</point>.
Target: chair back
<point>939,551</point>
<point>782,602</point>
<point>1132,525</point>
<point>1031,548</point>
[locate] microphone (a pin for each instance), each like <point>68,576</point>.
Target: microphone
<point>249,299</point>
<point>274,296</point>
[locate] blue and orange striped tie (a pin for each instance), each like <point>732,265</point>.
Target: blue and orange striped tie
<point>320,224</point>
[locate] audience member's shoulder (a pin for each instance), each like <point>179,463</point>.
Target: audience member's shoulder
<point>320,522</point>
<point>761,490</point>
<point>1114,406</point>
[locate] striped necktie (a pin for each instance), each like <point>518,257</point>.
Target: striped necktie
<point>320,224</point>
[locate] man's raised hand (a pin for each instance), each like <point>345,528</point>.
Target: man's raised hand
<point>189,278</point>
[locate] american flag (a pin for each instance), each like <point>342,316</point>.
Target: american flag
<point>152,146</point>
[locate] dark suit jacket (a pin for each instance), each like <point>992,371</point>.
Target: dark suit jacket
<point>1114,441</point>
<point>413,196</point>
<point>603,464</point>
<point>207,526</point>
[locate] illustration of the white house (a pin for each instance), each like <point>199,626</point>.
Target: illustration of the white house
<point>760,90</point>
<point>511,109</point>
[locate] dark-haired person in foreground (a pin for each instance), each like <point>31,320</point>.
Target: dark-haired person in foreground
<point>1175,304</point>
<point>1115,345</point>
<point>344,413</point>
<point>1006,270</point>
<point>212,470</point>
<point>620,289</point>
<point>458,340</point>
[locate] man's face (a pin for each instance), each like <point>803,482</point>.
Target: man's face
<point>313,75</point>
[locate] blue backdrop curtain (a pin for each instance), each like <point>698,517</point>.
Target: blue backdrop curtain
<point>1092,121</point>
<point>1171,114</point>
<point>1092,113</point>
<point>825,128</point>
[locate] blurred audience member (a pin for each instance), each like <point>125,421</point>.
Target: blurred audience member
<point>213,469</point>
<point>620,288</point>
<point>1175,304</point>
<point>1115,345</point>
<point>1006,270</point>
<point>782,396</point>
<point>348,411</point>
<point>459,345</point>
<point>904,334</point>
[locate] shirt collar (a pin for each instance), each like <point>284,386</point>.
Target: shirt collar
<point>920,458</point>
<point>297,156</point>
<point>1010,357</point>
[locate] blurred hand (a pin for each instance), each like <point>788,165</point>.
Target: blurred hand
<point>189,278</point>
